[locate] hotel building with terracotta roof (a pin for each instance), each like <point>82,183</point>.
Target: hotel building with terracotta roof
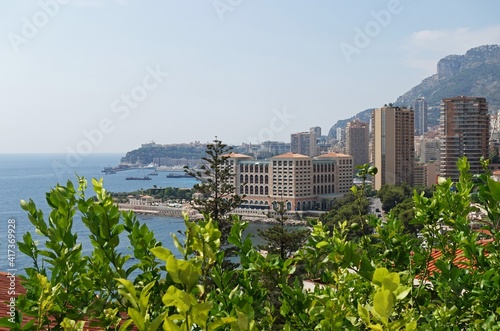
<point>302,182</point>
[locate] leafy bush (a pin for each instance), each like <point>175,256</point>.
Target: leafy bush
<point>387,280</point>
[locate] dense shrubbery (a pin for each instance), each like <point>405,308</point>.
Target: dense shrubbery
<point>167,193</point>
<point>386,280</point>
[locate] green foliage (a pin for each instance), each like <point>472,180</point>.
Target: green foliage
<point>353,208</point>
<point>385,280</point>
<point>391,195</point>
<point>216,185</point>
<point>280,239</point>
<point>167,193</point>
<point>145,155</point>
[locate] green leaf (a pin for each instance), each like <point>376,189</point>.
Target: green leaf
<point>494,187</point>
<point>363,313</point>
<point>403,292</point>
<point>379,275</point>
<point>412,326</point>
<point>178,298</point>
<point>376,327</point>
<point>124,326</point>
<point>391,281</point>
<point>221,321</point>
<point>383,302</point>
<point>155,324</point>
<point>321,244</point>
<point>129,286</point>
<point>169,325</point>
<point>161,252</point>
<point>137,318</point>
<point>441,180</point>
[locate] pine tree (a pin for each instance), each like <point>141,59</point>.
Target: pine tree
<point>216,186</point>
<point>280,240</point>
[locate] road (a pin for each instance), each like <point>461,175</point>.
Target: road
<point>376,206</point>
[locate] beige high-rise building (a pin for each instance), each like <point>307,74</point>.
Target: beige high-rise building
<point>464,130</point>
<point>357,142</point>
<point>393,146</point>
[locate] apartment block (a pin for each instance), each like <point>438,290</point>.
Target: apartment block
<point>464,131</point>
<point>393,146</point>
<point>357,141</point>
<point>420,112</point>
<point>300,143</point>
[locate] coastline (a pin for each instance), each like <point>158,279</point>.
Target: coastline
<point>253,216</point>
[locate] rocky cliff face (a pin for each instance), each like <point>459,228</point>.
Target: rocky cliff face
<point>476,73</point>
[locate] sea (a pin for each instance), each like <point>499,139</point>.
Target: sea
<point>30,176</point>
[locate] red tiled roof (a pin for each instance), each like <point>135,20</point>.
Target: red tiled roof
<point>6,287</point>
<point>290,155</point>
<point>238,156</point>
<point>460,261</point>
<point>332,154</point>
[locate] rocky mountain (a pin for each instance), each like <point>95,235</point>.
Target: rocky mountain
<point>476,73</point>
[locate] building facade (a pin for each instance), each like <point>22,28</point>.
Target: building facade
<point>306,143</point>
<point>420,112</point>
<point>464,131</point>
<point>314,137</point>
<point>427,150</point>
<point>393,146</point>
<point>301,182</point>
<point>299,143</point>
<point>357,142</point>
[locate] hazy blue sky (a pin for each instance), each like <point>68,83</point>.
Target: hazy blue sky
<point>108,75</point>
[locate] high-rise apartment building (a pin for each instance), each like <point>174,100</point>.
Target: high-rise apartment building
<point>340,134</point>
<point>420,113</point>
<point>314,136</point>
<point>300,143</point>
<point>393,146</point>
<point>464,131</point>
<point>306,143</point>
<point>357,141</point>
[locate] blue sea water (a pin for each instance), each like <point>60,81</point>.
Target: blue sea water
<point>30,176</point>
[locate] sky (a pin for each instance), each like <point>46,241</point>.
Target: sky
<point>99,76</point>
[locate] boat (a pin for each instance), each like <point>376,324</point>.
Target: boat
<point>138,178</point>
<point>178,175</point>
<point>154,173</point>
